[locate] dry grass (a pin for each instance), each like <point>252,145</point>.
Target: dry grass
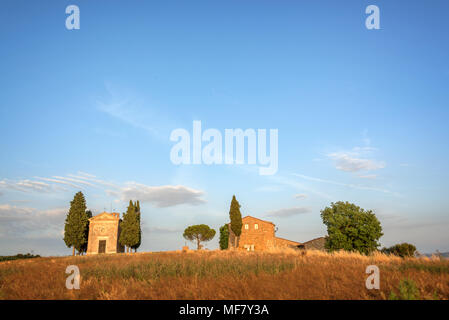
<point>281,274</point>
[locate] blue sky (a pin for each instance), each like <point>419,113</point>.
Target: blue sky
<point>361,115</point>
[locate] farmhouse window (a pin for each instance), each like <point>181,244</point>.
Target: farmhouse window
<point>246,226</point>
<point>256,226</point>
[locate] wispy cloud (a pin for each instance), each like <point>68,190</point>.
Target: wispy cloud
<point>347,185</point>
<point>75,180</point>
<point>367,176</point>
<point>159,196</point>
<point>293,183</point>
<point>88,175</point>
<point>126,113</point>
<point>288,212</point>
<point>26,185</point>
<point>301,196</point>
<point>59,182</point>
<point>92,178</point>
<point>269,188</point>
<point>131,110</point>
<point>56,183</point>
<point>161,230</point>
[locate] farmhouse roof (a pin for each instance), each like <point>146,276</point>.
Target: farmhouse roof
<point>258,219</point>
<point>289,240</point>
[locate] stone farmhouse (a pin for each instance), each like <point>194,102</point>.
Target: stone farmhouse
<point>104,233</point>
<point>259,235</point>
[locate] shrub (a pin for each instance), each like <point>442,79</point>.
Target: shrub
<point>407,291</point>
<point>18,257</point>
<point>402,250</point>
<point>224,237</point>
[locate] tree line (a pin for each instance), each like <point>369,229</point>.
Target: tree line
<point>349,228</point>
<point>76,228</point>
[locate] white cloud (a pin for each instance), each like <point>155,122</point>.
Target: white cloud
<point>13,213</point>
<point>348,161</point>
<point>357,159</point>
<point>159,196</point>
<point>55,212</point>
<point>30,222</point>
<point>288,212</point>
<point>301,196</point>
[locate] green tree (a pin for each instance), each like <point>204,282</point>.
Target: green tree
<point>139,229</point>
<point>224,237</point>
<point>351,228</point>
<point>402,250</point>
<point>236,219</point>
<point>76,224</point>
<point>84,248</point>
<point>129,235</point>
<point>199,233</point>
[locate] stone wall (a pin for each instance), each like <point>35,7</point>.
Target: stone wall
<point>315,244</point>
<point>284,243</point>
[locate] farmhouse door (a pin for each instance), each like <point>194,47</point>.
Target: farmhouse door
<point>102,246</point>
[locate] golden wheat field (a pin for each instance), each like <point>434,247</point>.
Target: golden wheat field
<point>226,275</point>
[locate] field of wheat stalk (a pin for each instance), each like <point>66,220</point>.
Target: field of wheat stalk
<point>283,274</point>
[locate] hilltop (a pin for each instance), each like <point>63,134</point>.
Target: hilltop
<point>228,274</point>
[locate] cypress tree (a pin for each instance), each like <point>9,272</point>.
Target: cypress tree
<point>89,215</point>
<point>129,235</point>
<point>138,228</point>
<point>236,219</point>
<point>224,237</point>
<point>76,224</point>
<point>124,226</point>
